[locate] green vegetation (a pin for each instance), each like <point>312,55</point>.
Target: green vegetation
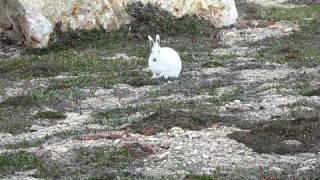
<point>227,96</point>
<point>289,14</point>
<point>186,88</point>
<point>314,92</point>
<point>199,177</point>
<point>19,101</point>
<point>150,19</point>
<point>103,157</point>
<point>269,137</point>
<point>89,60</point>
<point>20,161</point>
<point>27,144</point>
<point>50,115</point>
<point>163,115</point>
<point>92,163</point>
<point>211,64</point>
<point>104,117</point>
<point>301,47</point>
<point>11,111</point>
<point>2,87</point>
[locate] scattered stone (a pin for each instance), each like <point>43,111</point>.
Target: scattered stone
<point>148,132</point>
<point>139,150</point>
<point>205,156</point>
<point>233,37</point>
<point>276,169</point>
<point>265,24</point>
<point>37,19</point>
<point>163,156</point>
<point>176,131</point>
<point>165,145</point>
<point>273,3</point>
<point>304,171</point>
<point>110,135</point>
<point>292,142</point>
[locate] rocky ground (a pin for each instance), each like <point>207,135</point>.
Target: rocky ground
<point>247,105</point>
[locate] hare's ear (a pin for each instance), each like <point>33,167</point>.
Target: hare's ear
<point>151,41</point>
<point>158,39</point>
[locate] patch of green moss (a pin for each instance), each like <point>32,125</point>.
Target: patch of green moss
<point>98,80</point>
<point>227,96</point>
<point>50,115</point>
<point>19,101</point>
<point>10,121</point>
<point>314,92</point>
<point>51,95</point>
<point>138,78</point>
<point>183,86</point>
<point>20,161</point>
<point>27,144</point>
<point>211,64</point>
<point>199,177</point>
<point>163,115</point>
<point>2,87</point>
<point>118,116</point>
<point>104,157</point>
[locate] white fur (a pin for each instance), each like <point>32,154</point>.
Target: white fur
<point>167,61</point>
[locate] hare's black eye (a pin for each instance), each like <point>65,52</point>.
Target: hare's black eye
<point>154,60</point>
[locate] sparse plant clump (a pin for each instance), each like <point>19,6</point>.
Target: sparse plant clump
<point>301,47</point>
<point>103,157</point>
<point>50,115</point>
<point>12,162</point>
<point>283,136</point>
<point>314,92</point>
<point>19,101</point>
<point>11,111</point>
<point>290,14</point>
<point>152,20</point>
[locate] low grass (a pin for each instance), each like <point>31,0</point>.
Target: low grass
<point>27,144</point>
<point>252,11</point>
<point>184,87</point>
<point>20,161</point>
<point>11,111</point>
<point>85,53</point>
<point>103,157</point>
<point>299,48</point>
<point>90,163</point>
<point>120,116</point>
<point>163,115</point>
<point>227,96</point>
<point>50,115</point>
<point>10,120</point>
<point>289,14</point>
<point>199,177</point>
<point>269,137</point>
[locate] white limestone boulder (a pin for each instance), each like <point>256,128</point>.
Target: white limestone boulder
<point>32,21</point>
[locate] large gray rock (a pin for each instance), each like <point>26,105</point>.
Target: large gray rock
<point>32,21</point>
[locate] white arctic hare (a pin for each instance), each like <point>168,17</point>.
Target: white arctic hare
<point>163,61</point>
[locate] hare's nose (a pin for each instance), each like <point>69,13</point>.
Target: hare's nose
<point>154,60</point>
